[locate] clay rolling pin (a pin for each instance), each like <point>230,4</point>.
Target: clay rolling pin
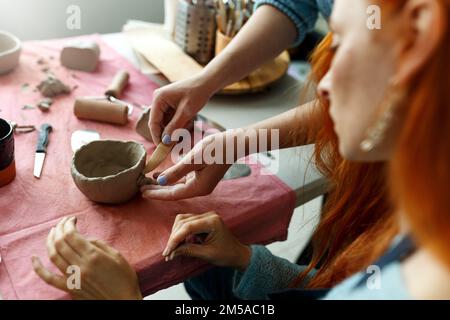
<point>158,156</point>
<point>117,85</point>
<point>101,110</point>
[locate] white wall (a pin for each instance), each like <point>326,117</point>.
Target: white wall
<point>44,19</point>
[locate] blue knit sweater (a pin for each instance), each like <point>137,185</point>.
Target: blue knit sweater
<point>303,13</point>
<point>267,274</point>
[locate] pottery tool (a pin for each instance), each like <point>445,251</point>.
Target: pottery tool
<point>82,137</point>
<point>22,128</point>
<point>195,28</point>
<point>108,108</point>
<point>41,149</point>
<point>231,15</point>
<point>118,84</point>
<point>101,110</point>
<point>158,156</point>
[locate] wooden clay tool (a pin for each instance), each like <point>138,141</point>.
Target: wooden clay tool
<point>101,110</point>
<point>118,84</point>
<point>107,108</point>
<point>161,153</point>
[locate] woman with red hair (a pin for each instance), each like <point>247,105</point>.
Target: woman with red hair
<point>383,142</point>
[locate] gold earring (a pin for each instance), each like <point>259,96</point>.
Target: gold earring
<point>376,133</point>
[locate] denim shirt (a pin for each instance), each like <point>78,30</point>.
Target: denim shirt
<point>303,13</point>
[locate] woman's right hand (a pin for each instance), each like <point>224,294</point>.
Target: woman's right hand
<point>189,177</point>
<point>219,247</point>
<point>176,105</point>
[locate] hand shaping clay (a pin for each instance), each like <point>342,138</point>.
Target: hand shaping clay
<point>101,110</point>
<point>142,127</point>
<point>52,87</point>
<point>108,171</point>
<point>81,55</point>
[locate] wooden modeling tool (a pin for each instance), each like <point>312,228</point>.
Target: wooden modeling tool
<point>158,156</point>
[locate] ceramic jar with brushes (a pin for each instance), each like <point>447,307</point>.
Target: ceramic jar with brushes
<point>231,15</point>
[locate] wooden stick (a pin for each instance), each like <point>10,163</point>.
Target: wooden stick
<point>160,154</point>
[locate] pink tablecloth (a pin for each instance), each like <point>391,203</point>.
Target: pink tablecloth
<point>257,208</point>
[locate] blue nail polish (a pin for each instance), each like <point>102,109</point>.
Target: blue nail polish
<point>166,139</point>
<point>162,181</point>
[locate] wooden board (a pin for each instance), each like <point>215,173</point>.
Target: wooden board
<point>176,65</point>
<point>261,78</point>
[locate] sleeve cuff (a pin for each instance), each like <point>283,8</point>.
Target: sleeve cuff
<point>266,273</point>
<point>301,26</point>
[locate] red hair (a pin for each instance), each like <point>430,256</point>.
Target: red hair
<point>420,170</point>
<point>358,223</point>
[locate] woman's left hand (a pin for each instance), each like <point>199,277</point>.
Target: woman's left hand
<point>104,272</point>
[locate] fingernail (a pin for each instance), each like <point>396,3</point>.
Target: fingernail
<point>162,180</point>
<point>166,259</point>
<point>166,139</point>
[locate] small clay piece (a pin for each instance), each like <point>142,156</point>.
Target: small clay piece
<point>117,85</point>
<point>109,171</point>
<point>158,156</point>
<point>142,127</point>
<point>27,107</point>
<point>101,110</point>
<point>41,61</point>
<point>44,105</point>
<point>52,87</point>
<point>25,86</point>
<point>81,55</point>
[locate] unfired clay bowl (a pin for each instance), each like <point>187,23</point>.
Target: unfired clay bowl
<point>109,171</point>
<point>10,47</point>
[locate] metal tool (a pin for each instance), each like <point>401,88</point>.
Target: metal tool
<point>210,123</point>
<point>82,137</point>
<point>195,29</point>
<point>22,129</point>
<point>41,149</point>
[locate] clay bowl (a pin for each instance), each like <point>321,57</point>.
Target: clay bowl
<point>108,171</point>
<point>10,47</point>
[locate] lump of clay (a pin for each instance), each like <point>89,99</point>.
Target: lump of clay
<point>44,105</point>
<point>142,127</point>
<point>51,87</point>
<point>108,171</point>
<point>81,55</point>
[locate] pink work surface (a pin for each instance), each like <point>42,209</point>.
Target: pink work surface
<point>257,208</point>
